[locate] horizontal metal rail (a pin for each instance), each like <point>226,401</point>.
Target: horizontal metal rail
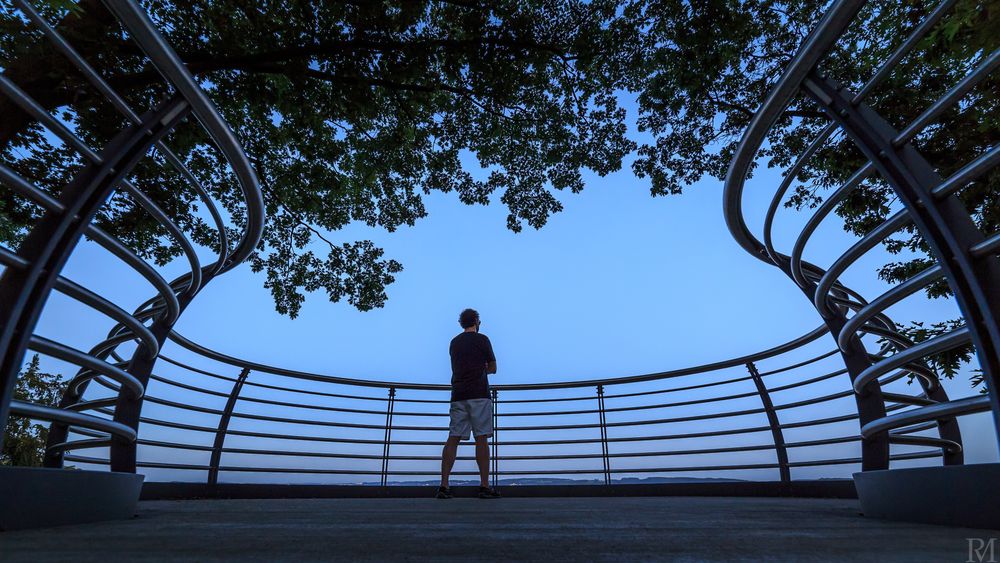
<point>715,366</point>
<point>41,412</point>
<point>595,471</point>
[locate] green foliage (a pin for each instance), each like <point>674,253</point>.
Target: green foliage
<point>715,61</point>
<point>24,441</point>
<point>350,112</point>
<point>946,363</point>
<point>353,111</point>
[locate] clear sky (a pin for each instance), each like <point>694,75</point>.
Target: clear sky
<point>620,283</point>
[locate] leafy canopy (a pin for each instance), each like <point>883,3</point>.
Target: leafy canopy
<point>352,111</point>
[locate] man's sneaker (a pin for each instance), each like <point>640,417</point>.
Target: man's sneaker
<point>444,492</point>
<point>488,492</point>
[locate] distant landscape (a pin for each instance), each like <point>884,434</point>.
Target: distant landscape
<point>558,481</point>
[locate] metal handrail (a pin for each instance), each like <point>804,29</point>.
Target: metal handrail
<point>713,468</point>
<point>264,368</point>
<point>396,433</point>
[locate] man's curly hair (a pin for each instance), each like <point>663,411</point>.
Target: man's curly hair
<point>468,318</point>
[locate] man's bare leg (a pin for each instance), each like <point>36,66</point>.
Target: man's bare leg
<point>448,455</point>
<point>483,459</point>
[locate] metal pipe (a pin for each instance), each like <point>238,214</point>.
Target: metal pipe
<point>886,300</point>
<point>42,412</point>
<point>939,343</point>
<point>388,436</point>
<point>968,405</point>
<point>772,420</point>
<point>220,434</point>
<point>174,71</point>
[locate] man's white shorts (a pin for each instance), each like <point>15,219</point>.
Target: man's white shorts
<point>472,414</point>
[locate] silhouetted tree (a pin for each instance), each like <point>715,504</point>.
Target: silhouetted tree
<point>24,441</point>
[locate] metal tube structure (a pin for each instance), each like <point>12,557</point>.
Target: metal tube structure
<point>772,419</point>
<point>220,434</point>
<point>47,247</point>
<point>944,222</point>
<point>34,269</point>
<point>388,435</point>
<point>930,204</point>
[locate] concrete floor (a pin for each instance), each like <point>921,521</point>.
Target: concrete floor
<point>550,529</point>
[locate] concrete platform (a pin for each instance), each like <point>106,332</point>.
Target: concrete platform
<point>550,529</point>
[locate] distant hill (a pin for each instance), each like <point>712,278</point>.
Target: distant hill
<point>528,481</point>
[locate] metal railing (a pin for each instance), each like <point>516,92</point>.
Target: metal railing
<point>964,256</point>
<point>34,269</point>
<point>379,432</point>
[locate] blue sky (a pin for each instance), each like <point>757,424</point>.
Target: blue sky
<point>620,283</point>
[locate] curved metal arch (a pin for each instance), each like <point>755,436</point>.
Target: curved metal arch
<point>116,100</point>
<point>33,271</point>
<point>23,293</point>
<point>943,221</point>
<point>938,216</point>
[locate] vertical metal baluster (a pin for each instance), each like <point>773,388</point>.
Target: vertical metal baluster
<point>604,435</point>
<point>220,433</point>
<point>495,446</point>
<point>772,420</point>
<point>388,436</point>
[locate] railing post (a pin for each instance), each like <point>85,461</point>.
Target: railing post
<point>604,435</point>
<point>220,434</point>
<point>772,420</point>
<point>388,436</point>
<point>495,446</point>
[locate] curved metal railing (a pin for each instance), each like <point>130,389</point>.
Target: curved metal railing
<point>717,418</point>
<point>35,268</point>
<point>965,257</point>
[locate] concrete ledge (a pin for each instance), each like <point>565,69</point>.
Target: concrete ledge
<point>826,488</point>
<point>958,495</point>
<point>34,497</point>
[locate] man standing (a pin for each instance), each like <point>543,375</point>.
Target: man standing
<point>471,408</point>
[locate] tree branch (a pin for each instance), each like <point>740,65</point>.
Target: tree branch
<point>750,113</point>
<point>332,47</point>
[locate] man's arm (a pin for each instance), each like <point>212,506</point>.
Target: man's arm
<point>491,359</point>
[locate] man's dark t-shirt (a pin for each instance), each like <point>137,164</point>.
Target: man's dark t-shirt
<point>470,352</point>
